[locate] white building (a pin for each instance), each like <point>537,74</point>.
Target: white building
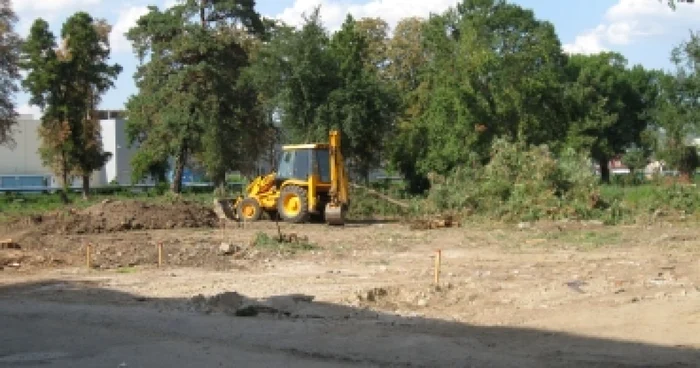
<point>21,166</point>
<point>114,140</point>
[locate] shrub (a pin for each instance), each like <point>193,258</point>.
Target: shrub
<point>520,183</point>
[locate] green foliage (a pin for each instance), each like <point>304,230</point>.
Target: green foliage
<point>10,44</point>
<point>497,72</point>
<point>375,31</point>
<point>520,183</point>
<point>406,57</point>
<point>685,159</point>
<point>609,105</point>
<point>296,73</point>
<point>362,107</point>
<point>676,112</point>
<point>586,240</point>
<point>67,82</point>
<point>85,52</point>
<point>650,199</point>
<point>193,103</point>
<point>318,83</point>
<point>367,206</point>
<point>265,242</point>
<point>635,159</point>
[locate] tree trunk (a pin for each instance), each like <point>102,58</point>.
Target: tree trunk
<point>64,187</point>
<point>180,160</point>
<point>202,14</point>
<point>86,187</point>
<point>604,170</point>
<point>63,194</point>
<point>219,181</point>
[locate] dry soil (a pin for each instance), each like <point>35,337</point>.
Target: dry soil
<point>563,294</point>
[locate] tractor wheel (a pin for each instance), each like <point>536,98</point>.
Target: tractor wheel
<point>293,204</point>
<point>249,209</point>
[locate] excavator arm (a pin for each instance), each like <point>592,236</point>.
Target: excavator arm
<point>337,206</point>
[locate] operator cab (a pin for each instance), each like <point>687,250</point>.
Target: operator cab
<point>300,161</point>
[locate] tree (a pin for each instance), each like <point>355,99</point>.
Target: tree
<point>315,83</point>
<point>636,158</point>
<point>296,74</point>
<point>10,44</point>
<point>192,101</point>
<point>86,53</point>
<point>609,104</point>
<point>43,82</point>
<point>362,106</point>
<point>492,70</point>
<point>406,58</point>
<point>67,82</point>
<point>406,54</point>
<point>676,112</point>
<point>375,31</point>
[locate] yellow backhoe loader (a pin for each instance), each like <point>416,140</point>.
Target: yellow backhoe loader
<point>311,180</point>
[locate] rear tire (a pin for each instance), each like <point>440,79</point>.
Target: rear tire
<point>293,204</point>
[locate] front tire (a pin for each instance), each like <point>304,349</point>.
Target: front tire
<point>293,204</point>
<point>249,210</point>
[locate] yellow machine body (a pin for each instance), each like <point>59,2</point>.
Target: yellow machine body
<point>311,180</point>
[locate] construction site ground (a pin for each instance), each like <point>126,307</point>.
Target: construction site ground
<point>549,294</point>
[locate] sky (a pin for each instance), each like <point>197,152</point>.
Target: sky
<point>644,31</point>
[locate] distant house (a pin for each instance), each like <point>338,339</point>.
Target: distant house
<point>617,167</point>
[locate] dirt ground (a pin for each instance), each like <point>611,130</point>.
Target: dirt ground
<point>564,294</point>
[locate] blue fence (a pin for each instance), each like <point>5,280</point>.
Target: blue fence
<point>24,182</point>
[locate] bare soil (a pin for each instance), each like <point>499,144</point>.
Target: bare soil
<point>112,216</point>
<point>569,293</point>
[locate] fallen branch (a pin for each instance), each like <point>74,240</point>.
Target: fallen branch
<point>382,196</point>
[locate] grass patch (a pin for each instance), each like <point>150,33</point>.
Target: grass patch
<point>288,245</point>
<point>586,239</point>
<point>126,270</point>
<point>648,198</point>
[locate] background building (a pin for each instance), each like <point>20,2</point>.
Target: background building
<point>21,166</point>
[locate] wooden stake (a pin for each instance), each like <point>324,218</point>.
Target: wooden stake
<point>88,255</point>
<point>160,254</point>
<point>438,261</point>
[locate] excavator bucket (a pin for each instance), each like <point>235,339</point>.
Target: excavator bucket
<point>225,209</point>
<point>335,215</point>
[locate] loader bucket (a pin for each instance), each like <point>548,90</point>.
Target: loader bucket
<point>224,208</point>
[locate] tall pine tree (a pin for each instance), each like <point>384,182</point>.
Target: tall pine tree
<point>10,43</point>
<point>192,101</point>
<point>67,82</point>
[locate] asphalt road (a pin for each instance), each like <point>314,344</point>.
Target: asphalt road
<point>38,333</point>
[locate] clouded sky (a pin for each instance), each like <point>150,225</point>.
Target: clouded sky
<point>645,31</point>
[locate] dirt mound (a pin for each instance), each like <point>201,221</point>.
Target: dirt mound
<point>113,216</point>
<point>233,303</point>
<point>404,298</point>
